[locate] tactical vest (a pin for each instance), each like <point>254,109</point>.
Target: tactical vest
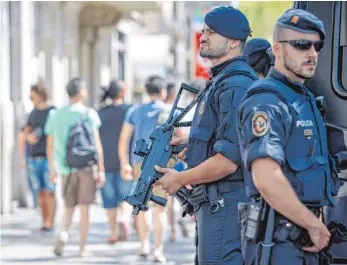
<point>308,163</point>
<point>203,133</point>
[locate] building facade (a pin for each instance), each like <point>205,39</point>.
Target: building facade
<point>56,41</point>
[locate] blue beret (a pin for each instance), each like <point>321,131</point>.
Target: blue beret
<point>255,49</point>
<point>228,22</point>
<point>302,21</point>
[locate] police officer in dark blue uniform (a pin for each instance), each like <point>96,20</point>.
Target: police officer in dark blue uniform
<point>212,155</point>
<point>284,145</point>
<point>260,56</point>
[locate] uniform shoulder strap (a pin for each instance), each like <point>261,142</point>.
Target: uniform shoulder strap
<point>273,86</point>
<point>228,74</point>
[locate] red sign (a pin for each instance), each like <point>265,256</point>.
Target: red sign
<point>201,65</point>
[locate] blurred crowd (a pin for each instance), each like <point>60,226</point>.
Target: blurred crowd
<point>46,147</point>
<point>107,137</point>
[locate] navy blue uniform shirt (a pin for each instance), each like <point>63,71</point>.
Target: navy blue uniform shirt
<point>214,125</point>
<point>292,133</point>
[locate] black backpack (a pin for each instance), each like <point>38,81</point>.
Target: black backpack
<point>80,147</point>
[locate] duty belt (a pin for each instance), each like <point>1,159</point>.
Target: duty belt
<point>288,230</point>
<point>300,237</point>
<point>211,193</point>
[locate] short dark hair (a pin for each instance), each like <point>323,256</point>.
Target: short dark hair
<point>112,91</point>
<point>74,86</point>
<point>264,64</point>
<point>261,65</point>
<point>40,89</point>
<point>155,84</point>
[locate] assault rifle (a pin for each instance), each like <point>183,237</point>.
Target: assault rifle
<point>158,152</point>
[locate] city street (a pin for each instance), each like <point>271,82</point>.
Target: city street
<point>22,242</point>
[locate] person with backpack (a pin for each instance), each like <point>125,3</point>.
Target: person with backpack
<point>32,135</point>
<point>115,188</point>
<point>75,153</point>
<point>139,123</point>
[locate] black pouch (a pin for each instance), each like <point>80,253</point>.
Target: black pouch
<point>198,195</point>
<point>253,221</point>
<point>282,231</point>
<point>287,230</point>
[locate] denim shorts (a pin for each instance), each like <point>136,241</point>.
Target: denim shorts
<point>115,189</point>
<point>38,175</point>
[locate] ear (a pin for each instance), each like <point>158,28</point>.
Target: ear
<point>234,43</point>
<point>277,49</point>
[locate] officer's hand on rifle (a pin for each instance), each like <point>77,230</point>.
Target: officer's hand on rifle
<point>127,172</point>
<point>170,181</point>
<point>320,237</point>
<point>179,141</point>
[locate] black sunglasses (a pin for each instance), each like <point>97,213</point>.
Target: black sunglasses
<point>305,45</point>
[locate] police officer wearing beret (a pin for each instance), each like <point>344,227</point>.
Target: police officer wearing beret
<point>260,56</point>
<point>284,145</point>
<point>212,155</point>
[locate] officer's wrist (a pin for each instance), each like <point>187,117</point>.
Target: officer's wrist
<point>181,179</point>
<point>313,223</point>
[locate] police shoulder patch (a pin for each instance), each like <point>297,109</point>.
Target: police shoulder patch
<point>260,123</point>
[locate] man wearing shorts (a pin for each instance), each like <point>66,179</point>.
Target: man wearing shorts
<point>115,188</point>
<point>78,185</point>
<point>139,123</point>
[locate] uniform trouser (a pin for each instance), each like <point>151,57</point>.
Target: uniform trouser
<point>219,240</point>
<point>284,252</point>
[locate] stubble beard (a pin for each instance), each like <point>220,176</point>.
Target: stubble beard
<point>216,53</point>
<point>295,70</point>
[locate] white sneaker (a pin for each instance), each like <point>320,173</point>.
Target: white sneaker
<point>59,246</point>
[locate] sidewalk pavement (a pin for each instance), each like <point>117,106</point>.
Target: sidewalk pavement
<point>22,242</point>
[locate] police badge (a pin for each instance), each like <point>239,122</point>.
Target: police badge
<point>260,123</point>
<point>308,134</point>
<point>202,107</point>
